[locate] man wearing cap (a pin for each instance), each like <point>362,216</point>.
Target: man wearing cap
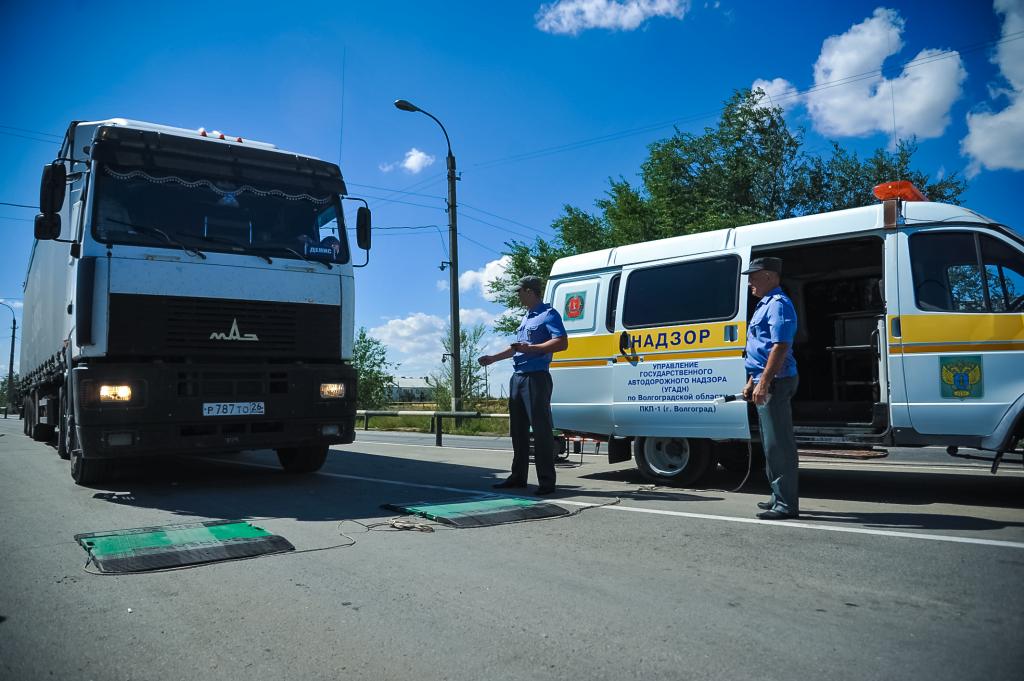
<point>529,394</point>
<point>771,384</point>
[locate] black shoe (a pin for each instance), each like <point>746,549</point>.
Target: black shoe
<point>765,505</point>
<point>777,515</point>
<point>542,491</point>
<point>509,484</point>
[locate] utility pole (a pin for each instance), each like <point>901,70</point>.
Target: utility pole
<point>453,248</point>
<point>10,364</point>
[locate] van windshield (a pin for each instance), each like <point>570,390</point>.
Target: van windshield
<point>134,206</point>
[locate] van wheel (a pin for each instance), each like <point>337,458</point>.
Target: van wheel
<point>302,459</point>
<point>672,460</point>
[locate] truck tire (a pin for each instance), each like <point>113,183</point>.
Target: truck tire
<point>302,459</point>
<point>87,471</point>
<point>673,461</point>
<point>26,416</point>
<point>64,429</point>
<point>42,432</point>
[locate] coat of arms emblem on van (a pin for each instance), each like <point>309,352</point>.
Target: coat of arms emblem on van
<point>233,334</point>
<point>574,305</point>
<point>961,377</point>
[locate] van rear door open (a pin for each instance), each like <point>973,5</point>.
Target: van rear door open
<point>681,328</point>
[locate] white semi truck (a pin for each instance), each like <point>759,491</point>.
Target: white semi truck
<point>188,292</point>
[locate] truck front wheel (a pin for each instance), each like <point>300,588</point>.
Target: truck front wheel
<point>87,471</point>
<point>302,459</point>
<point>673,461</point>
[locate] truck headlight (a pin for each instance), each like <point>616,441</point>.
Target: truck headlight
<point>332,391</point>
<point>115,393</point>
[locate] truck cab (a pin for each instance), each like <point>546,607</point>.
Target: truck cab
<point>188,292</point>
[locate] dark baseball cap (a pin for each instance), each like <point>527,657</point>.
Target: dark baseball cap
<point>770,264</point>
<point>533,283</point>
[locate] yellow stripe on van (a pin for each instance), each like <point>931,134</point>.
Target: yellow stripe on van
<point>897,349</point>
<point>665,339</point>
<point>959,328</point>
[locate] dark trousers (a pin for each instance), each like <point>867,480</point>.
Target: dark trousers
<point>529,405</point>
<point>780,457</point>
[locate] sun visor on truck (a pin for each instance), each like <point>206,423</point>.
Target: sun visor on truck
<point>161,152</point>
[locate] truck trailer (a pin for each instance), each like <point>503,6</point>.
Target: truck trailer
<point>188,292</point>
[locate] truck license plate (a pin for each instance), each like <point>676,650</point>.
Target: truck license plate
<point>233,409</point>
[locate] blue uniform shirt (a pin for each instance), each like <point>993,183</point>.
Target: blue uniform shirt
<point>774,321</point>
<point>540,324</point>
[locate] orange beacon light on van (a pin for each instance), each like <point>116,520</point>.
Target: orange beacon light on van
<point>900,189</point>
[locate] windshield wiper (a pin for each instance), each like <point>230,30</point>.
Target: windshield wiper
<point>146,229</point>
<point>239,248</point>
<point>292,250</point>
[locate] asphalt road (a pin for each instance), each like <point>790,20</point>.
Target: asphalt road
<point>897,570</point>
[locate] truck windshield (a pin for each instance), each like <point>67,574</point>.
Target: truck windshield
<point>133,206</point>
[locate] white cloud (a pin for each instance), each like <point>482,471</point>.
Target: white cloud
<point>415,342</point>
<point>475,316</point>
<point>16,304</point>
<point>851,97</point>
<point>780,92</point>
<point>414,162</point>
<point>573,16</point>
<point>846,103</point>
<point>481,278</point>
<point>996,140</point>
<point>442,285</point>
<point>415,334</point>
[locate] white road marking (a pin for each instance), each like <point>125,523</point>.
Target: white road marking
<point>680,514</point>
<point>843,464</point>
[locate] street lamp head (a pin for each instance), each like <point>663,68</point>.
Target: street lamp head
<point>405,105</point>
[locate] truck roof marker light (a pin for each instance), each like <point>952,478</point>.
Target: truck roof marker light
<point>899,189</point>
<point>238,139</point>
<point>202,132</point>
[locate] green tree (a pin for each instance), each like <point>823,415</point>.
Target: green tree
<point>473,378</point>
<point>370,358</point>
<point>748,168</point>
<point>5,388</point>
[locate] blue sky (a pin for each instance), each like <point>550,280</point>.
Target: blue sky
<point>506,79</point>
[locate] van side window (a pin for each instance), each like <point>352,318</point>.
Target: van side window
<point>682,293</point>
<point>966,272</point>
<point>613,302</point>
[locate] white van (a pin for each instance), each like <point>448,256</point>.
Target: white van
<point>911,333</point>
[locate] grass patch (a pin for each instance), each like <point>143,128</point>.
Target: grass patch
<point>421,424</point>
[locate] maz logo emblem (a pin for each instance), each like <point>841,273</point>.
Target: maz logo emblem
<point>233,334</point>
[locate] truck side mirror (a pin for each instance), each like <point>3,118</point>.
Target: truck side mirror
<point>47,226</point>
<point>52,188</point>
<point>363,228</point>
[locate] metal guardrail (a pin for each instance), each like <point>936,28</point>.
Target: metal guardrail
<point>436,418</point>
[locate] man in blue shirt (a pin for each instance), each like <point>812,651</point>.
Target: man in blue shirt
<point>529,393</point>
<point>771,383</point>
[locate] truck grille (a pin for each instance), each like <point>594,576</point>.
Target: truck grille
<point>167,325</point>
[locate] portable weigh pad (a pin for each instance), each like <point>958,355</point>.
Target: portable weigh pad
<point>481,512</point>
<point>155,548</point>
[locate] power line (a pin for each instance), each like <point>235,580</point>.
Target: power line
<point>18,205</point>
<point>26,137</point>
<point>34,132</point>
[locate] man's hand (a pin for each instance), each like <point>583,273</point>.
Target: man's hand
<point>761,392</point>
<point>485,360</point>
<point>748,390</point>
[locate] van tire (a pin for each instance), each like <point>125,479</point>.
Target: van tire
<point>673,461</point>
<point>302,459</point>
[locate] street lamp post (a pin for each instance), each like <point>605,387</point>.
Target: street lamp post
<point>453,247</point>
<point>10,365</point>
